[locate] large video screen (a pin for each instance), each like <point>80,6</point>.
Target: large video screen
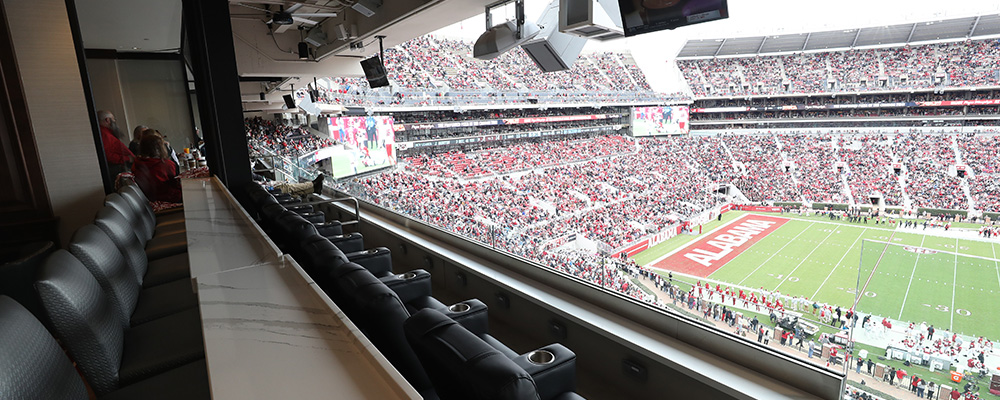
<point>368,144</point>
<point>660,120</point>
<point>643,16</point>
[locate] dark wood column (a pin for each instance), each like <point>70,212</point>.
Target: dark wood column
<point>209,35</point>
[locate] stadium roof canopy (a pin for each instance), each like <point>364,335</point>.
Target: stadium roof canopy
<point>958,28</point>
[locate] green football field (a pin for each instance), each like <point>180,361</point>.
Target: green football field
<point>947,285</point>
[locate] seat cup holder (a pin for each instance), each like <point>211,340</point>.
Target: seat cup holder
<point>407,275</point>
<point>541,357</point>
<point>371,251</point>
<point>459,308</point>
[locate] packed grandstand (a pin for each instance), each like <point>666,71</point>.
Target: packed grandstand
<point>530,194</point>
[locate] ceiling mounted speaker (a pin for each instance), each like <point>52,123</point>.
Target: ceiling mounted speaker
<point>500,38</point>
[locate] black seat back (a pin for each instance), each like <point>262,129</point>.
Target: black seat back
<point>92,247</point>
<point>319,256</point>
<point>141,201</point>
<point>33,366</point>
<point>380,314</point>
<point>83,319</point>
<point>140,205</point>
<point>138,224</point>
<point>114,224</point>
<point>461,365</point>
<point>289,231</point>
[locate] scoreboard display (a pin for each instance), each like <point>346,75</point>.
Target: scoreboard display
<point>660,120</point>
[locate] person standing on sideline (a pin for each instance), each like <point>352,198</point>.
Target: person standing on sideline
<point>812,347</point>
<point>930,390</point>
<point>118,156</point>
<point>930,333</point>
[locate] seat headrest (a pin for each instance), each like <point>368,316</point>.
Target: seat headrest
<point>87,323</point>
<point>33,364</point>
<point>92,247</point>
<point>366,296</point>
<point>135,191</point>
<point>294,227</point>
<point>114,224</point>
<point>460,364</point>
<point>321,255</point>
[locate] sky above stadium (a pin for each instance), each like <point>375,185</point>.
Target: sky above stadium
<point>652,51</point>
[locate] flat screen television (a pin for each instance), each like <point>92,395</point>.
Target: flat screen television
<point>644,16</point>
<point>375,72</point>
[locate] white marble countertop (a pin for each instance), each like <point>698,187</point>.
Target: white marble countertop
<point>271,333</point>
<point>220,234</point>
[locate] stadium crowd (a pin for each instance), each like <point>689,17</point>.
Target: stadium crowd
<point>430,70</point>
<point>938,65</point>
<point>756,164</point>
<point>290,141</point>
<point>869,162</point>
<point>515,158</point>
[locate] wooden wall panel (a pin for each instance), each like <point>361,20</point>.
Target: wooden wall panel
<point>55,99</point>
<point>25,212</point>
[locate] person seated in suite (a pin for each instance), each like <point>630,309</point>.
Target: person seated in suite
<point>155,172</point>
<point>133,146</point>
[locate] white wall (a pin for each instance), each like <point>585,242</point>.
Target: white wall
<point>155,95</point>
<point>46,59</point>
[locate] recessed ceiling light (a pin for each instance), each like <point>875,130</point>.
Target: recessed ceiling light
<point>135,48</point>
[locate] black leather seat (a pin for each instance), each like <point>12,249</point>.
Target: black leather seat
<point>164,223</point>
<point>319,256</point>
<point>463,366</point>
<point>17,276</point>
<point>109,353</point>
<point>149,273</point>
<point>156,247</point>
<point>92,247</point>
<point>380,313</point>
<point>33,366</point>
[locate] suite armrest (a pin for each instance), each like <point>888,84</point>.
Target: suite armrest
<point>471,314</point>
<point>409,285</point>
<point>316,217</point>
<point>378,260</point>
<point>553,375</point>
<point>349,243</point>
<point>300,208</point>
<point>330,228</point>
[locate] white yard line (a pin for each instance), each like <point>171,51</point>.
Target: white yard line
<point>954,279</point>
<point>775,253</point>
<point>838,263</point>
<point>804,259</point>
<point>995,261</point>
<point>912,273</point>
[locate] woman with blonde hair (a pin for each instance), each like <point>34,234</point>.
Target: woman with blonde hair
<point>155,172</point>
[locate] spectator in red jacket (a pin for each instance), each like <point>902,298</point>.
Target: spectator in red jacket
<point>118,156</point>
<point>154,172</point>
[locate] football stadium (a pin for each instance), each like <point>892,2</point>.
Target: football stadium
<point>627,199</point>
